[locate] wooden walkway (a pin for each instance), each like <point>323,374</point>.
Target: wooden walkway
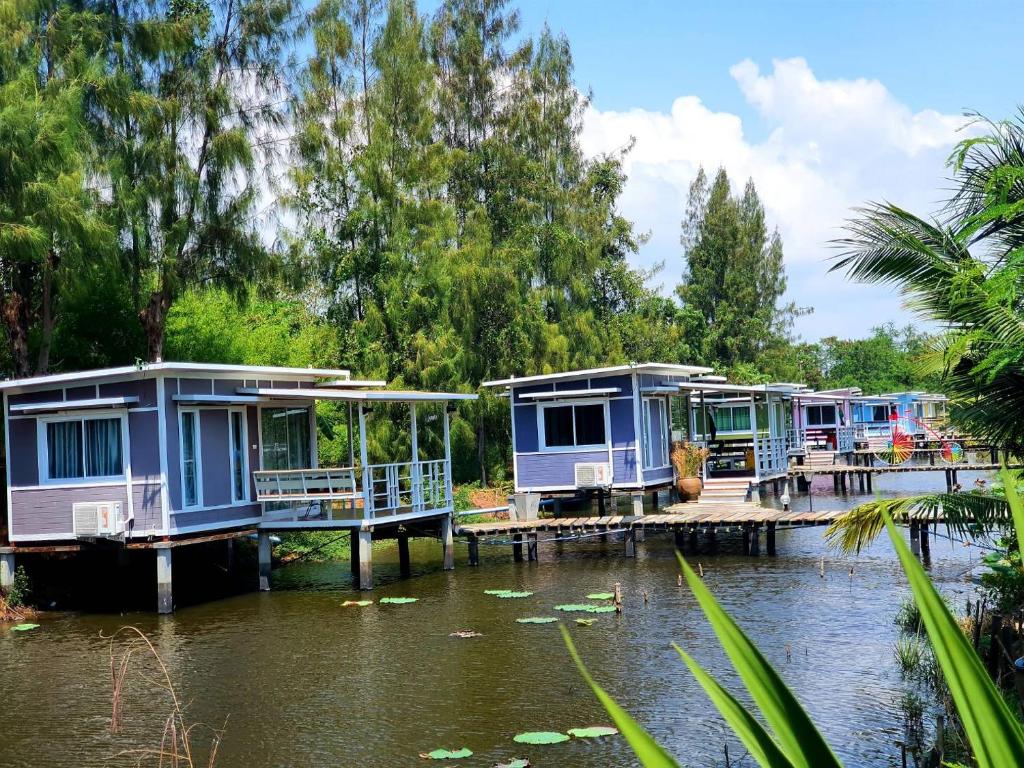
<point>853,469</point>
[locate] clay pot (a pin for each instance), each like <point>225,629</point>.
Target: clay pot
<point>689,488</point>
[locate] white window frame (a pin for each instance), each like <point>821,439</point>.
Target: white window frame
<point>42,446</point>
<point>574,448</point>
<point>241,413</point>
<point>647,422</point>
<point>198,437</point>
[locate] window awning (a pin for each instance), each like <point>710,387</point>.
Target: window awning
<point>75,405</point>
<point>595,392</point>
<point>215,399</point>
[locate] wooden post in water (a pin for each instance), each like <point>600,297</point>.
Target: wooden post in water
<point>949,480</point>
<point>915,538</point>
<point>654,501</point>
<point>366,559</point>
<point>353,552</point>
<point>164,586</point>
<point>755,540</point>
<point>474,550</point>
<point>448,542</point>
<point>926,545</point>
<point>770,539</point>
<point>693,540</point>
<point>835,483</point>
<point>869,482</point>
<point>403,555</point>
<point>517,547</point>
<point>601,508</point>
<point>860,479</point>
<point>680,539</point>
<point>746,539</point>
<point>712,539</point>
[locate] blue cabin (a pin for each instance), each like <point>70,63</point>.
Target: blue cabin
<point>608,428</point>
<point>920,414</point>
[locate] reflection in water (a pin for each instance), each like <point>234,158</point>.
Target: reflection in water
<point>303,681</point>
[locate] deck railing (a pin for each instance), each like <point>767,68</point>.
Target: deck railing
<point>772,455</point>
<point>844,439</point>
<point>351,493</point>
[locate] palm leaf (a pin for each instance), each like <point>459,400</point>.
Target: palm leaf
<point>755,738</point>
<point>796,735</point>
<point>994,733</point>
<point>650,753</point>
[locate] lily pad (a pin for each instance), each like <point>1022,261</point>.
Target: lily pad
<point>585,622</point>
<point>601,596</point>
<point>446,754</point>
<point>574,607</point>
<point>540,737</point>
<point>506,595</point>
<point>515,762</point>
<point>537,620</point>
<point>466,633</point>
<point>497,591</point>
<point>397,600</point>
<point>593,732</point>
<point>601,609</point>
<point>358,603</point>
<point>23,627</point>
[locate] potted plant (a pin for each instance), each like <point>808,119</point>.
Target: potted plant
<point>688,458</point>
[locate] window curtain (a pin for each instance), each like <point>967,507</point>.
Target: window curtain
<point>237,456</point>
<point>188,458</point>
<point>64,449</point>
<point>103,448</point>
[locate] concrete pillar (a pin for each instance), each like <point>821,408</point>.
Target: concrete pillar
<point>770,539</point>
<point>403,554</point>
<point>263,555</point>
<point>229,555</point>
<point>755,493</point>
<point>164,588</point>
<point>474,550</point>
<point>365,549</point>
<point>629,539</point>
<point>7,567</point>
<point>638,503</point>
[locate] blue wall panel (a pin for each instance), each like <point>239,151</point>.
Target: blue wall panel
<point>553,470</point>
<point>527,439</point>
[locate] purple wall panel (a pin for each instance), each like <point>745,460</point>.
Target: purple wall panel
<point>22,450</point>
<point>213,438</point>
<point>144,435</point>
<point>44,396</point>
<point>144,389</point>
<point>553,469</point>
<point>620,412</point>
<point>173,445</point>
<point>226,386</point>
<point>48,510</point>
<point>623,467</point>
<point>625,383</point>
<point>194,386</point>
<point>79,393</point>
<point>148,512</point>
<point>520,391</point>
<point>526,428</point>
<point>214,516</point>
<point>656,476</point>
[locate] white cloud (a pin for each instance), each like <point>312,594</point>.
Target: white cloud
<point>830,145</point>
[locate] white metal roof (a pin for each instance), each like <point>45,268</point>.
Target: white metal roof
<point>356,395</point>
<point>213,369</point>
<point>75,405</point>
<point>752,389</point>
<point>662,369</point>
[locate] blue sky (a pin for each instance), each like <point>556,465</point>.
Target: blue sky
<point>825,105</point>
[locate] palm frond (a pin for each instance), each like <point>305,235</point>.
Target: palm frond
<point>965,514</point>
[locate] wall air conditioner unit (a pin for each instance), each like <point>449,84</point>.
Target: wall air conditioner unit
<point>96,519</point>
<point>593,475</point>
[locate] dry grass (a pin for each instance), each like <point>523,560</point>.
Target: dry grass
<point>9,612</point>
<point>181,744</point>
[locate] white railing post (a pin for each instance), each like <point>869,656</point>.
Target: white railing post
<point>367,472</point>
<point>414,470</point>
<point>753,433</point>
<point>447,461</point>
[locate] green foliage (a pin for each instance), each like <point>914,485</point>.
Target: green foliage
<point>20,591</point>
<point>318,546</point>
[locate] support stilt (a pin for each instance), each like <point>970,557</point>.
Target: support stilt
<point>556,505</point>
<point>680,539</point>
<point>448,543</point>
<point>835,483</point>
<point>474,550</point>
<point>755,540</point>
<point>366,559</point>
<point>353,552</point>
<point>915,538</point>
<point>770,539</point>
<point>263,556</point>
<point>629,539</point>
<point>712,539</point>
<point>693,540</point>
<point>869,482</point>
<point>746,540</point>
<point>654,501</point>
<point>7,567</point>
<point>638,503</point>
<point>517,547</point>
<point>164,581</point>
<point>602,510</point>
<point>404,566</point>
<point>531,547</point>
<point>926,545</point>
<point>229,555</point>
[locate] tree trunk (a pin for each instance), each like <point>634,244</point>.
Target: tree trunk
<point>16,310</point>
<point>481,450</point>
<point>154,319</point>
<point>46,315</point>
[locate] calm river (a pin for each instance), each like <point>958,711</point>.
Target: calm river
<point>300,680</point>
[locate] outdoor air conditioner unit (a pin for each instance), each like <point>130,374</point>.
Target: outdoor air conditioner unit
<point>96,519</point>
<point>593,475</point>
